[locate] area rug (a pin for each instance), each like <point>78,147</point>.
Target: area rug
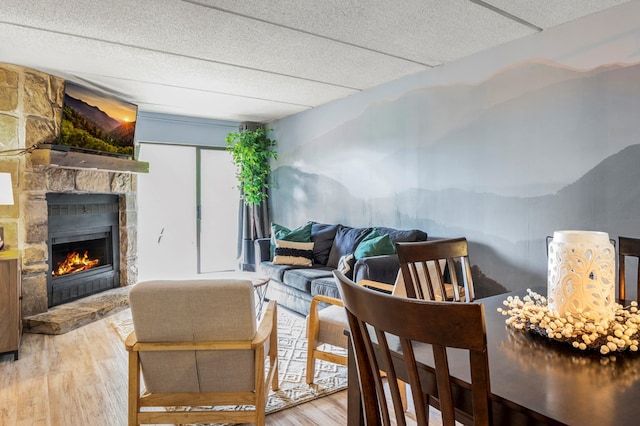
<point>292,358</point>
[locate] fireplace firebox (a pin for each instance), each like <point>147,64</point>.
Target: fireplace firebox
<point>83,245</point>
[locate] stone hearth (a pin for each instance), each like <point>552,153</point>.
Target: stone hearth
<point>64,318</point>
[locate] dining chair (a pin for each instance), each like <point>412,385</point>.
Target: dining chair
<point>627,247</point>
<point>430,269</point>
<point>198,344</point>
<point>379,322</point>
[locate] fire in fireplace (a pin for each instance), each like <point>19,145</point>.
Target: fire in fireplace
<point>83,245</point>
<point>73,263</point>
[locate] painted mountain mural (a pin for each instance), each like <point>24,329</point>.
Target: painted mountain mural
<point>507,234</point>
<point>504,162</point>
<point>532,108</point>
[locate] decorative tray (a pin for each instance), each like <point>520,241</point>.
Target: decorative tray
<point>580,329</point>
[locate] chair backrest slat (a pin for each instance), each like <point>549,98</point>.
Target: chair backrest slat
<point>384,322</point>
<point>423,262</point>
<point>627,247</point>
<point>391,380</point>
<point>453,273</point>
<point>419,400</point>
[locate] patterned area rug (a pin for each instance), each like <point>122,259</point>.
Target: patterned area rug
<point>292,358</point>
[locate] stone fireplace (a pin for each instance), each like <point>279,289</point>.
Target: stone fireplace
<point>84,245</point>
<point>38,294</point>
<point>30,108</point>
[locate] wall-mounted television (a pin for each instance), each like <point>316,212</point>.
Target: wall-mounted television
<point>96,123</point>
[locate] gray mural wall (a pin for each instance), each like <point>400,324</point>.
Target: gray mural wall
<point>503,147</point>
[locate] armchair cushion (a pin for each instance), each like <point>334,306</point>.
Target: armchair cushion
<point>332,322</point>
<point>198,371</point>
<point>195,310</point>
<point>189,315</point>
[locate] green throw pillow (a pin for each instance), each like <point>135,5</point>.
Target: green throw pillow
<point>374,244</point>
<point>301,234</point>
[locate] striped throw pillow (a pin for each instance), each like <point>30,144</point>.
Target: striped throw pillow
<point>293,253</point>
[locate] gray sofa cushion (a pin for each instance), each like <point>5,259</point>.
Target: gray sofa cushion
<point>275,272</point>
<point>301,278</point>
<point>383,269</point>
<point>322,236</point>
<point>346,241</point>
<point>289,297</point>
<point>325,287</point>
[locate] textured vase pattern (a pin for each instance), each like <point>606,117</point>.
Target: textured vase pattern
<point>581,274</point>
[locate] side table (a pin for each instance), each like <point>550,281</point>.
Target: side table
<point>10,302</point>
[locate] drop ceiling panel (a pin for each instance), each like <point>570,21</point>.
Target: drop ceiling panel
<point>90,60</point>
<point>256,60</point>
<point>548,13</point>
<point>426,31</point>
<point>167,100</point>
<point>197,32</point>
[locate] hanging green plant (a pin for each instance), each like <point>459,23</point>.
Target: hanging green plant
<point>251,151</point>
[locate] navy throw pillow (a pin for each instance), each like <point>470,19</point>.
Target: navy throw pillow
<point>345,242</point>
<point>322,236</point>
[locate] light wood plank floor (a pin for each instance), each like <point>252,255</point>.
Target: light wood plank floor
<point>80,379</point>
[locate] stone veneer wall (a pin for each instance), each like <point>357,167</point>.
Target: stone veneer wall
<point>30,109</point>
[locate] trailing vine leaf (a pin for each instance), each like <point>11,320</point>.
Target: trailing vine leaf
<point>251,151</point>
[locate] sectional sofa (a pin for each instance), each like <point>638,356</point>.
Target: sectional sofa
<point>362,253</point>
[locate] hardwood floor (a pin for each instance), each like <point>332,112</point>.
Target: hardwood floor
<point>80,378</point>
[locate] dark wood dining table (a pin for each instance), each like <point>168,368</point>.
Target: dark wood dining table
<point>534,380</point>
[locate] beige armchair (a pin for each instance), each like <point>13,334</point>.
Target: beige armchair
<point>326,325</point>
<point>197,343</point>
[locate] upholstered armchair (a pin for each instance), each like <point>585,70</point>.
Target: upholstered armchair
<point>325,326</point>
<point>198,343</point>
<point>326,323</point>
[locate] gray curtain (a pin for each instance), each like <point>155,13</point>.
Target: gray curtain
<point>253,222</point>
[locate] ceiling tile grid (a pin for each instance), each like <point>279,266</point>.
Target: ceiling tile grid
<point>255,60</point>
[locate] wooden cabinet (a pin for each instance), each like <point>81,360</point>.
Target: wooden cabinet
<point>10,303</point>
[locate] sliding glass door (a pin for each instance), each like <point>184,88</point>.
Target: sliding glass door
<point>187,212</point>
<point>167,212</point>
<point>219,200</point>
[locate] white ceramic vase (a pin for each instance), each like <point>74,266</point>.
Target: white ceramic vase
<point>581,274</point>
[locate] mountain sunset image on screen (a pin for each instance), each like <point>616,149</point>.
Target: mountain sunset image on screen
<point>97,122</point>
